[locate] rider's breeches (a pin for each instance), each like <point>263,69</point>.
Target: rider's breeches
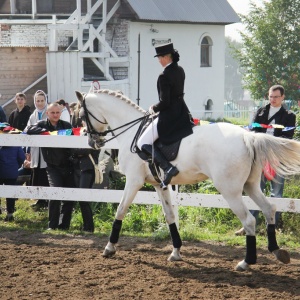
<point>149,136</point>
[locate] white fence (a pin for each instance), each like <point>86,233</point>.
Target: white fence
<point>100,195</point>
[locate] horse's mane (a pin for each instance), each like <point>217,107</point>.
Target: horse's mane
<point>119,94</point>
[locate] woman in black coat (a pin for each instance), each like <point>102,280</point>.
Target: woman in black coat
<point>84,176</point>
<point>173,122</point>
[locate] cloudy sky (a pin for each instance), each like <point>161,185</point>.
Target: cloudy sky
<point>241,7</point>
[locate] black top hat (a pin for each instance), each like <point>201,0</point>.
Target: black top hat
<point>164,49</point>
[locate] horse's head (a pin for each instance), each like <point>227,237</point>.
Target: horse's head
<point>95,122</point>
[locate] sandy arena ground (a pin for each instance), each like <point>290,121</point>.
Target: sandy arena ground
<point>46,266</point>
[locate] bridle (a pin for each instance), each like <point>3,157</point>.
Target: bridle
<point>89,126</point>
<point>91,130</point>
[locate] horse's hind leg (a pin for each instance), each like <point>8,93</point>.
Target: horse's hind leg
<point>235,201</point>
<point>165,197</point>
<point>269,210</point>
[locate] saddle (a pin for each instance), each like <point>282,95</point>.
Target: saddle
<point>169,151</point>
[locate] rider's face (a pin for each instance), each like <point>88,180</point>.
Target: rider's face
<point>164,60</point>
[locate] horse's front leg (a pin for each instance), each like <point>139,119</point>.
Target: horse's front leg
<point>127,198</point>
<point>165,197</point>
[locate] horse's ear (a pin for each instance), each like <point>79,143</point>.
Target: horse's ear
<point>79,96</point>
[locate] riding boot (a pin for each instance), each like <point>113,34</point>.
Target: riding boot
<point>169,170</point>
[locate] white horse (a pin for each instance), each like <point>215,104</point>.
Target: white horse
<point>230,156</point>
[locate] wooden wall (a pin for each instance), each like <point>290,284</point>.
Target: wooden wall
<point>20,67</point>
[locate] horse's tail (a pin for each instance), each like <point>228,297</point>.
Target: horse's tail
<point>283,155</point>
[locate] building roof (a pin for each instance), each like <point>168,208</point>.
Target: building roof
<point>184,11</point>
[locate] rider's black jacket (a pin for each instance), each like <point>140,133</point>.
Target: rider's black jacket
<point>174,121</point>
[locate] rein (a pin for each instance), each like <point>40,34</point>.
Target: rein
<point>134,122</point>
<point>91,129</point>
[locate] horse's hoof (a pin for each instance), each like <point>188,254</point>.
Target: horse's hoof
<point>174,258</point>
<point>282,255</point>
<point>108,252</point>
<point>242,266</point>
<point>175,255</point>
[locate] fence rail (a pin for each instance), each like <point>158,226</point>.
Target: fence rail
<point>114,196</point>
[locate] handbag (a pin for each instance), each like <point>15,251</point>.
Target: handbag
<point>98,173</point>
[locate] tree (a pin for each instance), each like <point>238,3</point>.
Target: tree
<point>270,49</point>
<point>233,76</point>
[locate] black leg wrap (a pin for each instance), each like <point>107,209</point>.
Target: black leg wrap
<point>250,250</point>
<point>272,243</point>
<point>177,243</point>
<point>115,232</point>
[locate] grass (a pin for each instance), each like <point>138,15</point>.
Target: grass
<point>196,224</point>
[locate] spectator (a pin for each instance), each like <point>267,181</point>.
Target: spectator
<point>11,159</point>
<point>72,107</point>
<point>38,164</point>
<point>84,176</point>
<point>76,121</point>
<point>65,113</point>
<point>59,169</point>
<point>273,113</point>
<point>24,173</point>
<point>2,114</point>
<point>19,117</point>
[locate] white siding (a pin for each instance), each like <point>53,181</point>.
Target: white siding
<point>201,83</point>
<point>65,71</point>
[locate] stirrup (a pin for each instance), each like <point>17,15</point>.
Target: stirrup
<point>163,186</point>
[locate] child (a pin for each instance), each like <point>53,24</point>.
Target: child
<point>19,117</point>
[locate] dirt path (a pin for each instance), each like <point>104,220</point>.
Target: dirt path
<point>45,266</point>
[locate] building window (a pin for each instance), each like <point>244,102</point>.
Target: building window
<point>208,105</point>
<point>206,46</point>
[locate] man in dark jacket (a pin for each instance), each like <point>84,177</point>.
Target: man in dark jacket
<point>2,115</point>
<point>274,113</point>
<point>19,117</point>
<point>173,122</point>
<point>59,168</point>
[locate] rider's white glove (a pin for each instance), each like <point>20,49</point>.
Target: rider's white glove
<point>151,111</point>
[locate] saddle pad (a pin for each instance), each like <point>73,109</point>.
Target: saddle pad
<point>169,151</point>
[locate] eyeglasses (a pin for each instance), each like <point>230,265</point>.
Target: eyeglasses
<point>275,97</point>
